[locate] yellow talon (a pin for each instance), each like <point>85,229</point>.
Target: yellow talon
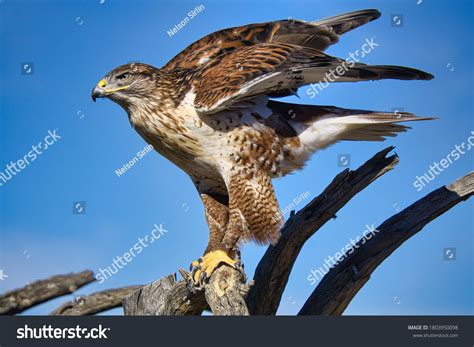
<point>209,263</point>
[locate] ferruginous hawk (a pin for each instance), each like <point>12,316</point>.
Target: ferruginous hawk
<point>211,111</point>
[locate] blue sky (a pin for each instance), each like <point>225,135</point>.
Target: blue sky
<point>71,45</point>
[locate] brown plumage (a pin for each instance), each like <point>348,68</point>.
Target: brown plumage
<point>208,111</point>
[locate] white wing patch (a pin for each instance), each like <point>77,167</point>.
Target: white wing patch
<point>204,60</point>
<point>259,85</point>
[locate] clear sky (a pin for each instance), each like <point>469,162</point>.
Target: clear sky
<point>54,52</point>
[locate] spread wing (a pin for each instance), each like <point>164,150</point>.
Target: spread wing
<point>319,35</point>
<point>268,68</point>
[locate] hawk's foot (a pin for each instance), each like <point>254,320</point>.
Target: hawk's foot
<point>203,268</point>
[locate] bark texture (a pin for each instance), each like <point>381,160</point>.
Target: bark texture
<point>167,297</point>
<point>94,303</point>
<point>33,294</point>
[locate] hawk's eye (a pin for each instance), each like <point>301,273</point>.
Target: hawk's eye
<point>123,76</point>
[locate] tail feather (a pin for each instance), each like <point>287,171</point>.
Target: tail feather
<point>318,127</point>
<point>307,128</point>
<point>375,126</point>
<point>371,126</point>
<point>367,126</point>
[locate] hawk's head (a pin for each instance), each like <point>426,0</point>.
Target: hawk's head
<point>126,83</point>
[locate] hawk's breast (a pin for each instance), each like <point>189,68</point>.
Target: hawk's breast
<point>209,144</point>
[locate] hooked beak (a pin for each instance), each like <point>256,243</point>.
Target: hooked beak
<point>97,93</point>
<point>99,90</point>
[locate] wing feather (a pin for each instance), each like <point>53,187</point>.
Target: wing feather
<point>268,68</point>
<point>319,35</point>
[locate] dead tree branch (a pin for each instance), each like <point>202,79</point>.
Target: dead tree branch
<point>33,294</point>
<point>227,294</point>
<point>223,295</point>
<point>165,297</point>
<point>339,286</point>
<point>274,268</point>
<point>95,303</point>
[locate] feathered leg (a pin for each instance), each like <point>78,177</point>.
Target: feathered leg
<point>217,217</point>
<point>253,210</point>
<point>253,214</point>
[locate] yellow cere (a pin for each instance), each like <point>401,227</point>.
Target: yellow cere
<point>102,83</point>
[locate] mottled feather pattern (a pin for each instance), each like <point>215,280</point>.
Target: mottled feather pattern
<point>255,214</point>
<point>217,217</point>
<point>232,76</point>
<point>223,78</point>
<point>319,35</point>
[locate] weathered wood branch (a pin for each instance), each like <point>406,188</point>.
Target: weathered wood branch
<point>344,280</point>
<point>33,294</point>
<point>273,270</point>
<point>165,297</point>
<point>226,292</point>
<point>223,295</point>
<point>95,303</point>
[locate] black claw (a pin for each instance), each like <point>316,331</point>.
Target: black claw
<point>202,278</point>
<point>193,271</point>
<point>239,265</point>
